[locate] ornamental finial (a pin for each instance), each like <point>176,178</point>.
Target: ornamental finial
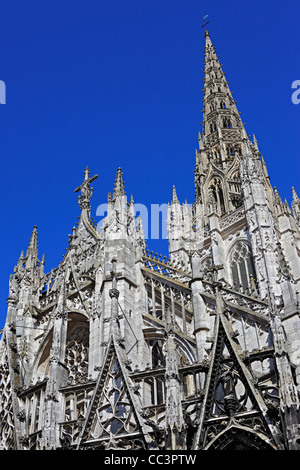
<point>204,25</point>
<point>86,190</point>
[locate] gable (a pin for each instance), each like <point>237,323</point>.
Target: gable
<point>112,419</point>
<point>231,401</point>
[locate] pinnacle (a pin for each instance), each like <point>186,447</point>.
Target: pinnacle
<point>295,196</point>
<point>174,196</point>
<point>119,188</point>
<point>32,250</point>
<point>86,173</point>
<point>277,195</point>
<point>255,142</point>
<point>33,244</point>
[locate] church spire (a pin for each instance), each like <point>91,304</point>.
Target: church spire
<point>219,111</point>
<point>221,141</point>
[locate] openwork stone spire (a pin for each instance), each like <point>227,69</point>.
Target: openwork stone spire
<point>221,142</point>
<point>219,111</point>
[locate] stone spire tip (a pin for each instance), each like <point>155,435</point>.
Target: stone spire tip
<point>174,195</point>
<point>119,188</point>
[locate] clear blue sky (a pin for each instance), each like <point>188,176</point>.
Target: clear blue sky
<point>118,83</point>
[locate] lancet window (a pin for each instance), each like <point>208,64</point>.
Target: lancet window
<point>242,267</point>
<point>217,156</point>
<point>235,189</point>
<point>216,196</point>
<point>189,380</point>
<point>233,149</point>
<point>154,390</point>
<point>76,403</point>
<point>213,126</point>
<point>77,350</point>
<point>163,300</point>
<point>34,404</point>
<point>227,123</point>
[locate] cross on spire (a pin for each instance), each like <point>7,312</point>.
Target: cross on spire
<point>205,23</point>
<point>86,190</point>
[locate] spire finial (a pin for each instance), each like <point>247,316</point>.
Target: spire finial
<point>174,195</point>
<point>86,190</point>
<point>295,196</point>
<point>119,184</point>
<point>32,250</point>
<point>206,33</point>
<point>33,244</point>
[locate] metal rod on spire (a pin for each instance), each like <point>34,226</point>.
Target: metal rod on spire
<point>205,23</point>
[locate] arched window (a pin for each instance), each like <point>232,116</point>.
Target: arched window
<point>207,272</point>
<point>77,349</point>
<point>227,123</point>
<point>242,267</point>
<point>216,193</point>
<point>157,355</point>
<point>235,189</point>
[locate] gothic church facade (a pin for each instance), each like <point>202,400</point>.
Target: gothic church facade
<point>118,348</point>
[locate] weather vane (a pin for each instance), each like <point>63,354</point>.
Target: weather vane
<point>205,23</point>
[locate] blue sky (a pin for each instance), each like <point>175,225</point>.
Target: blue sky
<point>118,83</point>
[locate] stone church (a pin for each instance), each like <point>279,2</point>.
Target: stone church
<point>119,348</point>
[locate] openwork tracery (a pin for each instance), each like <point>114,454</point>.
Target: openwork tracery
<point>76,358</point>
<point>114,414</point>
<point>242,267</point>
<point>216,196</point>
<point>6,411</point>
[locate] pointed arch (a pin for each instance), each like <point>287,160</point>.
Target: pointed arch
<point>239,438</point>
<point>216,194</point>
<point>77,348</point>
<point>243,275</point>
<point>41,366</point>
<point>157,356</point>
<point>113,412</point>
<point>230,399</point>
